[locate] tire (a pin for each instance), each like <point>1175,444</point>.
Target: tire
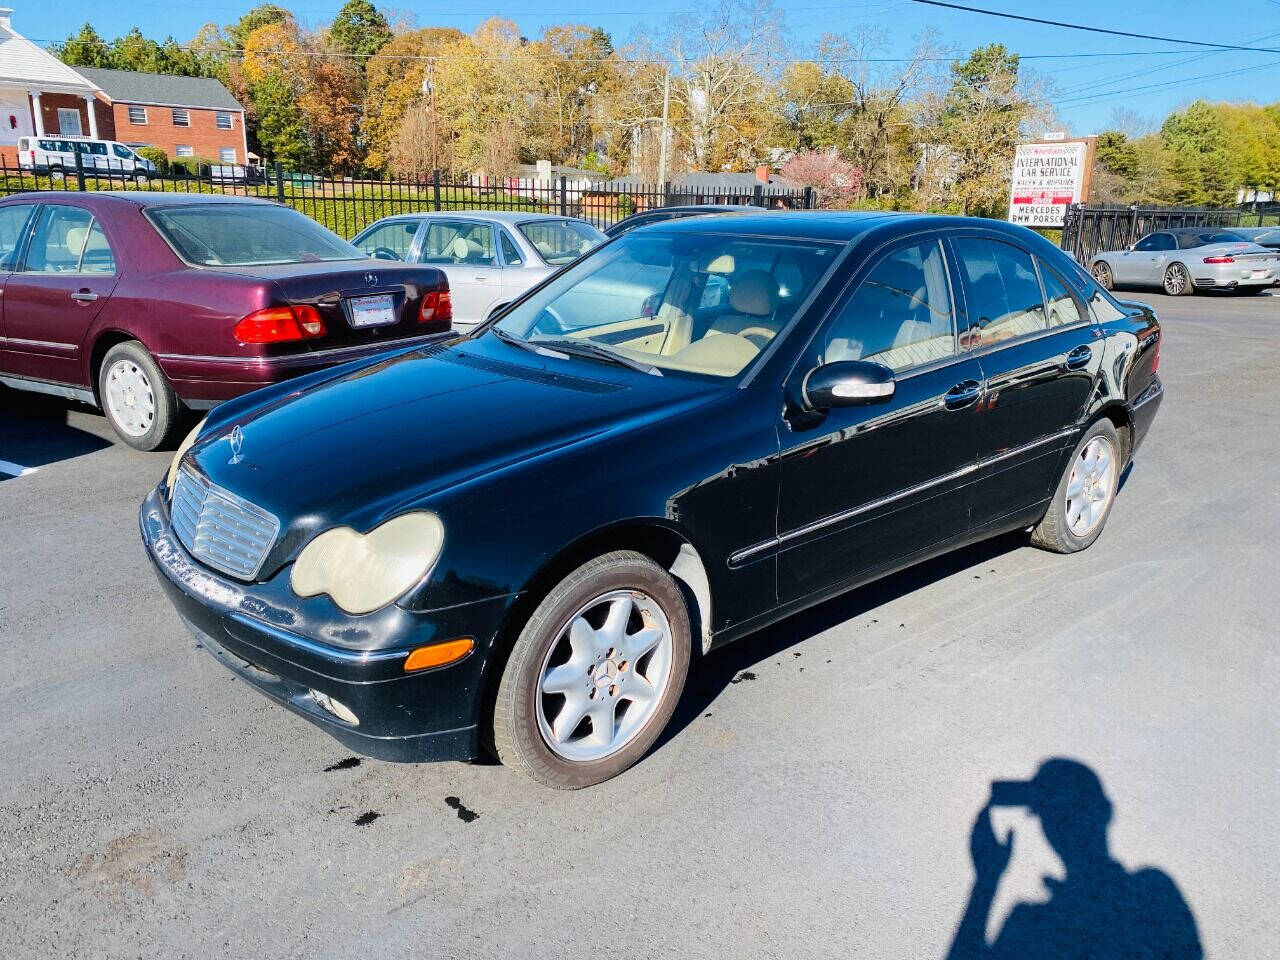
<point>1102,273</point>
<point>1056,531</point>
<point>1177,281</point>
<point>623,590</point>
<point>137,398</point>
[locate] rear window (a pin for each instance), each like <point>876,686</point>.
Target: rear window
<point>561,241</point>
<point>246,235</point>
<point>1189,240</point>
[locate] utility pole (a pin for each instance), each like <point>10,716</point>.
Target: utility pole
<point>666,110</point>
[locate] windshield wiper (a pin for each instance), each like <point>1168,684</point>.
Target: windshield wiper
<point>596,351</point>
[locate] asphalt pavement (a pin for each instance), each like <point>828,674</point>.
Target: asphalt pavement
<point>817,794</point>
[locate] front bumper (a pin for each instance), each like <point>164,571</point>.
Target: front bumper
<point>286,647</point>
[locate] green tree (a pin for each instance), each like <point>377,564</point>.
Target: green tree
<point>262,15</point>
<point>1201,160</point>
<point>1115,154</point>
<point>85,49</point>
<point>279,122</point>
<point>359,29</point>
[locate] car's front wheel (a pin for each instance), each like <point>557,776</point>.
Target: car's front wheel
<point>595,674</point>
<point>1085,494</point>
<point>137,397</point>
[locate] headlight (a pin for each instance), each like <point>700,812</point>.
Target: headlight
<point>183,447</point>
<point>363,572</point>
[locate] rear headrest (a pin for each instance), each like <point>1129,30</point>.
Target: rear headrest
<point>459,249</point>
<point>76,236</point>
<point>755,293</point>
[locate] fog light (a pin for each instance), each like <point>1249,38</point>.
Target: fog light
<point>438,654</point>
<point>336,707</point>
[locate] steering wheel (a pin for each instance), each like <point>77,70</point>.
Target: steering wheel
<point>384,253</point>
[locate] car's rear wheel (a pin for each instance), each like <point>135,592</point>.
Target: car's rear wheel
<point>137,397</point>
<point>1085,494</point>
<point>1177,282</point>
<point>1102,273</point>
<point>595,674</point>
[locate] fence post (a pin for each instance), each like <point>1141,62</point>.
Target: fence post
<point>80,170</point>
<point>758,195</point>
<point>810,198</point>
<point>279,182</point>
<point>666,193</point>
<point>435,189</point>
<point>564,195</point>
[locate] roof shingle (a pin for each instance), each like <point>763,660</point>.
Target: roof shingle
<point>164,90</point>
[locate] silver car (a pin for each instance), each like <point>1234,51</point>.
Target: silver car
<point>1185,259</point>
<point>490,257</point>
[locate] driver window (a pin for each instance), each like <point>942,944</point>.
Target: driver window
<point>459,241</point>
<point>900,315</point>
<point>394,238</point>
<point>1155,241</point>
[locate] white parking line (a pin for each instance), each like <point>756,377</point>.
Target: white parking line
<point>15,469</point>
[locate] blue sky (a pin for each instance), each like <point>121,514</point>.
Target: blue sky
<point>1147,77</point>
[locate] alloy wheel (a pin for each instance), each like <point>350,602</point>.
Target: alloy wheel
<point>604,675</point>
<point>1102,273</point>
<point>1091,486</point>
<point>130,398</point>
<point>1175,280</point>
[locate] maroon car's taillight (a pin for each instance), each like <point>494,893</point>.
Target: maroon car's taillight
<point>437,307</point>
<point>1219,259</point>
<point>278,324</point>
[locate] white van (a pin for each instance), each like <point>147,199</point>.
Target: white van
<point>58,155</point>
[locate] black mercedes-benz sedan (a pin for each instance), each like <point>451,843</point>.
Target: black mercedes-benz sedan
<point>518,538</point>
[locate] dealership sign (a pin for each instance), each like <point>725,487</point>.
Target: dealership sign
<point>1048,178</point>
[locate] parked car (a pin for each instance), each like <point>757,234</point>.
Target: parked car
<point>490,258</point>
<point>1186,259</point>
<point>1268,237</point>
<point>146,303</point>
<point>57,155</point>
<point>646,217</point>
<point>521,536</point>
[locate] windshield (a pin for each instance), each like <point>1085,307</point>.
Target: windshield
<point>248,235</point>
<point>700,304</point>
<point>561,241</point>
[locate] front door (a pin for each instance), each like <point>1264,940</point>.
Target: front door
<point>1040,355</point>
<point>54,295</point>
<point>467,252</point>
<point>1143,262</point>
<point>863,487</point>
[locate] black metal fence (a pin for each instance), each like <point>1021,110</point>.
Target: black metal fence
<point>1088,230</point>
<point>347,205</point>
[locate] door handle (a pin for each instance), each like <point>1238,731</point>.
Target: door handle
<point>1078,357</point>
<point>481,278</point>
<point>963,394</point>
<point>84,296</point>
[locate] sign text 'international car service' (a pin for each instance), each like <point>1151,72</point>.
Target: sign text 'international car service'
<point>1047,178</point>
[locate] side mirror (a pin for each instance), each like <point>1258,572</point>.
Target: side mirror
<point>1131,247</point>
<point>847,383</point>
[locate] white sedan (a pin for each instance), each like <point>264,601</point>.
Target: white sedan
<point>489,257</point>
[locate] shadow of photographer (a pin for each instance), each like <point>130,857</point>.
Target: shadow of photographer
<point>1099,910</point>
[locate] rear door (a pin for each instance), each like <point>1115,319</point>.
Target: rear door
<point>1040,355</point>
<point>467,252</point>
<point>55,293</point>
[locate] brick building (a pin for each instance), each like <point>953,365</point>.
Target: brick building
<point>42,96</point>
<point>183,116</point>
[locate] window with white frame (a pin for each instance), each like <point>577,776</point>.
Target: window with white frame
<point>224,120</point>
<point>184,150</point>
<point>181,118</point>
<point>227,155</point>
<point>138,115</point>
<point>69,122</point>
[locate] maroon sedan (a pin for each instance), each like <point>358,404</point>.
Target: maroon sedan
<point>146,303</point>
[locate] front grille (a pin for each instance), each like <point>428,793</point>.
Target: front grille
<point>220,529</point>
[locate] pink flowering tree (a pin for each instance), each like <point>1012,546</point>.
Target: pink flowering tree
<point>837,181</point>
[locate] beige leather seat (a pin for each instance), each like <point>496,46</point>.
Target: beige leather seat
<point>754,299</point>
